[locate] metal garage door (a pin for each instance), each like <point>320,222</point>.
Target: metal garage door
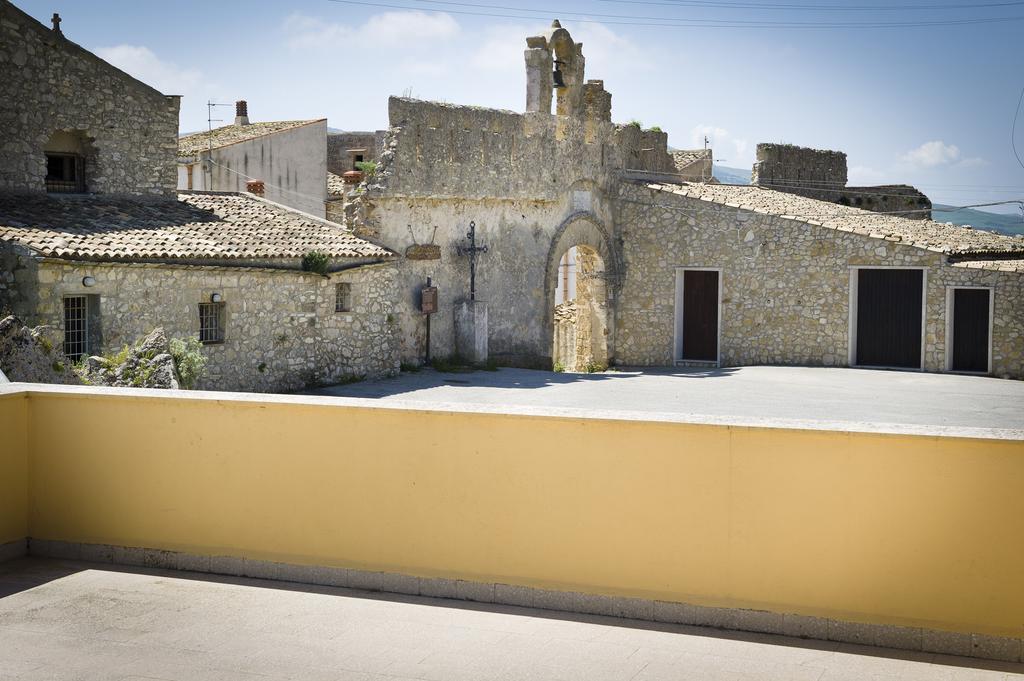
<point>889,318</point>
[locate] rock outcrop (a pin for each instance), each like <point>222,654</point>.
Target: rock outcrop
<point>29,356</point>
<point>147,364</point>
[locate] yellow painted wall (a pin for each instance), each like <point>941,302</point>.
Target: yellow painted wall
<point>13,468</point>
<point>915,530</point>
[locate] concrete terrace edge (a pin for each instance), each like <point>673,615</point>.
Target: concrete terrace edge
<point>758,621</point>
<point>28,389</point>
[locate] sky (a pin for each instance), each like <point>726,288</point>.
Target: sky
<point>929,105</point>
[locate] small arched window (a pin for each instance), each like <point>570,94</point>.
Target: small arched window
<point>66,153</point>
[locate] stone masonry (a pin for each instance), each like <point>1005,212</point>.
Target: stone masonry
<point>51,85</point>
<point>281,330</point>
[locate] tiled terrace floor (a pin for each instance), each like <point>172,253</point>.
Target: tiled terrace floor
<point>76,621</point>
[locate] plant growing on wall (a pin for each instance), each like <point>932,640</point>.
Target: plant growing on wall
<point>635,123</point>
<point>189,360</point>
<point>654,128</point>
<point>316,261</point>
<point>368,168</point>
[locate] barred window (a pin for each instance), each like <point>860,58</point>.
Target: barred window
<point>343,297</point>
<point>76,327</point>
<point>65,173</point>
<point>211,322</point>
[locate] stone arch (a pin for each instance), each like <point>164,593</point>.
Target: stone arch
<point>585,232</point>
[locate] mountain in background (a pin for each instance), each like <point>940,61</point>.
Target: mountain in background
<point>979,219</point>
<point>727,175</point>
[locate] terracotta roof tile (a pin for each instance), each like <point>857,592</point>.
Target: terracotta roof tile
<point>196,226</point>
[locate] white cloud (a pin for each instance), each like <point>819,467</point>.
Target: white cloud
<point>143,64</point>
<point>973,162</point>
<point>389,29</point>
<point>931,154</point>
<point>727,148</point>
<point>865,176</point>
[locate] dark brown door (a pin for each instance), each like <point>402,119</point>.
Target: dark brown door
<point>700,315</point>
<point>889,318</point>
<point>970,329</point>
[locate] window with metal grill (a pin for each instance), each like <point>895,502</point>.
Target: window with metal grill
<point>343,297</point>
<point>211,322</point>
<point>65,173</point>
<point>76,327</point>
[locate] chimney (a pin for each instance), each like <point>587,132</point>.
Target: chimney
<point>241,112</point>
<point>56,24</point>
<point>255,187</point>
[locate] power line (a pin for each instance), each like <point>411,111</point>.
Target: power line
<point>543,15</point>
<point>756,22</point>
<point>719,4</point>
<point>1013,129</point>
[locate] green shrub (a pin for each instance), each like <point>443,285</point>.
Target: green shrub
<point>316,261</point>
<point>635,123</point>
<point>189,360</point>
<point>654,128</point>
<point>368,168</point>
<point>559,368</point>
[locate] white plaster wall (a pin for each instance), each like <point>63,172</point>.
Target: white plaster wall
<point>291,163</point>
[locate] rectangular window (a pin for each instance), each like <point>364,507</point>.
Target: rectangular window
<point>76,327</point>
<point>343,297</point>
<point>211,322</point>
<point>65,174</point>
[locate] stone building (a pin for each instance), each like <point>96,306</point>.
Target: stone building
<point>288,157</point>
<point>102,248</point>
<point>669,272</point>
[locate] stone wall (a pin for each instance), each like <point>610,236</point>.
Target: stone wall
<point>281,332</point>
<point>52,85</point>
<point>821,174</point>
<point>786,285</point>
<point>339,144</point>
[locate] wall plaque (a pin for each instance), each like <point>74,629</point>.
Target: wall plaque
<point>423,252</point>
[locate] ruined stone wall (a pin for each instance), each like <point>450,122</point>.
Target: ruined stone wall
<point>339,160</point>
<point>786,285</point>
<point>694,165</point>
<point>521,179</point>
<point>788,165</point>
<point>18,279</point>
<point>821,174</point>
<point>281,332</point>
<point>49,84</point>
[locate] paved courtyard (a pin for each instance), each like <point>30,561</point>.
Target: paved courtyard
<point>791,393</point>
<point>76,621</point>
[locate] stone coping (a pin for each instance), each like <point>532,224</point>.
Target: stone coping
<point>739,619</point>
<point>878,428</point>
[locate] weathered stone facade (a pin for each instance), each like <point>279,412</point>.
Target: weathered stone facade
<point>344,148</point>
<point>281,330</point>
<point>126,129</point>
<point>785,285</point>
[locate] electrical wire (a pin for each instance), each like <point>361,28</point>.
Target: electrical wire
<point>758,22</point>
<point>543,15</point>
<point>1013,129</point>
<point>718,4</point>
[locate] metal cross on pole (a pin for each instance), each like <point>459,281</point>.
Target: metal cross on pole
<point>471,251</point>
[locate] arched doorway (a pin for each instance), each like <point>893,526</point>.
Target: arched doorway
<point>581,312</point>
<point>581,268</point>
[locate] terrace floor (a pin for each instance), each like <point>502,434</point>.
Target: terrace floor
<point>759,392</point>
<point>80,621</point>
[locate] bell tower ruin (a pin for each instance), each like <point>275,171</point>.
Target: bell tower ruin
<point>555,63</point>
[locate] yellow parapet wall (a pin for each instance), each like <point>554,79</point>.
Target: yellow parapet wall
<point>13,468</point>
<point>916,530</point>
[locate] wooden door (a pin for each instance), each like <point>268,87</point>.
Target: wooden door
<point>970,329</point>
<point>889,317</point>
<point>700,315</point>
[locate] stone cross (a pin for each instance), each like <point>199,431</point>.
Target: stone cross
<point>56,24</point>
<point>471,251</point>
